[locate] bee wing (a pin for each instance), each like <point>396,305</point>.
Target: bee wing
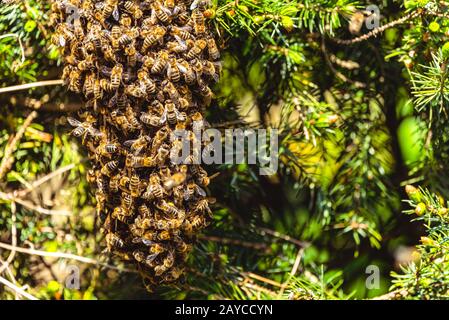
<point>150,258</point>
<point>201,191</point>
<point>194,4</point>
<point>73,122</point>
<point>95,132</point>
<point>181,68</point>
<point>147,242</point>
<point>62,41</point>
<point>129,143</point>
<point>163,117</point>
<point>116,14</point>
<point>181,42</point>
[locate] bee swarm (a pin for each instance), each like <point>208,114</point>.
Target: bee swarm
<point>144,69</point>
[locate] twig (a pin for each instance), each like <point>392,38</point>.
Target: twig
<point>293,271</point>
<point>17,289</point>
<point>262,279</point>
<point>62,255</point>
<point>12,146</point>
<point>31,206</point>
<point>378,30</point>
<point>32,85</point>
<point>302,244</point>
<point>22,50</point>
<point>340,75</point>
<point>42,180</point>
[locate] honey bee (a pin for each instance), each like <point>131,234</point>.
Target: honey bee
<point>203,179</point>
<point>139,162</point>
<point>173,274</point>
<point>160,62</point>
<point>107,149</point>
<point>173,72</point>
<point>116,76</point>
<point>114,241</point>
<point>168,208</point>
<point>161,12</point>
<point>133,9</point>
<point>183,247</point>
<point>145,82</point>
<point>133,121</point>
<point>131,54</point>
<point>135,186</point>
<point>159,138</point>
<point>120,121</point>
<point>136,145</point>
<point>193,188</point>
<point>89,86</point>
<point>122,214</point>
<point>144,211</point>
<point>75,81</point>
<point>124,183</point>
<point>210,70</point>
<point>178,46</point>
<point>91,177</point>
<point>123,41</point>
<point>162,153</point>
<point>114,183</point>
<point>125,20</point>
<point>139,255</point>
<point>127,200</point>
<point>182,33</point>
<point>197,49</point>
<point>135,230</point>
<point>154,189</point>
<point>171,114</point>
<point>198,22</point>
<point>212,49</point>
<point>98,92</point>
<point>187,71</point>
<point>135,91</point>
<point>199,4</point>
<point>83,129</point>
<point>109,168</point>
<point>205,91</point>
<point>110,8</point>
<point>170,88</point>
<point>159,270</point>
<point>150,119</point>
<point>152,37</point>
<point>202,206</point>
<point>175,180</point>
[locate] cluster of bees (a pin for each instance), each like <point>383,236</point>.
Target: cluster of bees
<point>144,69</point>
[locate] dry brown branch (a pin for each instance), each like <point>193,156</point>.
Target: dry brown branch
<point>42,180</point>
<point>292,272</point>
<point>31,206</point>
<point>63,255</point>
<point>32,85</point>
<point>302,244</point>
<point>6,163</point>
<point>17,289</point>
